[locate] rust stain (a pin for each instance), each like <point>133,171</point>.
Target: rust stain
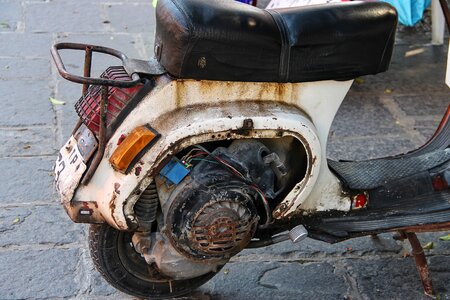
<point>274,91</point>
<point>121,138</point>
<point>279,133</point>
<point>112,203</point>
<point>112,206</point>
<point>137,171</point>
<point>421,263</point>
<point>180,93</point>
<point>279,210</point>
<point>280,92</point>
<point>246,128</point>
<point>116,188</point>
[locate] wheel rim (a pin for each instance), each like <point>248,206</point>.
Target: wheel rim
<point>134,263</point>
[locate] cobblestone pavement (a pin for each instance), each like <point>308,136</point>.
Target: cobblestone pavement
<point>43,255</point>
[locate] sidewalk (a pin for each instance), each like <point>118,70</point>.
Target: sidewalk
<point>43,255</point>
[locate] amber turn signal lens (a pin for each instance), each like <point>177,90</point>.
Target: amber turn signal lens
<point>130,147</point>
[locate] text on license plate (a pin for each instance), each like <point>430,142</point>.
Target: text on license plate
<point>69,168</point>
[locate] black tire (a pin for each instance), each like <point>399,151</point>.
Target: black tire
<point>125,269</point>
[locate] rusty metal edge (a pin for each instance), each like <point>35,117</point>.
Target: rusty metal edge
<point>85,80</point>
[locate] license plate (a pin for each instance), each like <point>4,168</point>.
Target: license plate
<point>69,168</point>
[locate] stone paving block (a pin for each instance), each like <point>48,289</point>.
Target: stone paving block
<point>97,285</point>
<point>67,16</point>
<point>69,93</point>
<point>68,123</point>
<point>18,68</point>
<point>421,81</point>
<point>440,274</point>
<point>48,224</point>
<point>440,247</point>
<point>310,249</point>
<point>408,75</point>
<point>396,278</point>
<point>26,103</point>
<point>26,44</point>
<point>364,115</point>
<point>26,180</point>
<point>276,281</point>
<point>409,36</point>
<point>424,105</point>
<point>38,274</point>
<point>27,141</point>
<point>148,39</point>
<point>10,15</point>
<point>280,278</point>
<point>138,17</point>
<point>369,147</point>
<point>74,62</point>
<point>427,128</point>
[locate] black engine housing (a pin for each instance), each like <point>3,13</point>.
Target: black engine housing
<point>213,213</point>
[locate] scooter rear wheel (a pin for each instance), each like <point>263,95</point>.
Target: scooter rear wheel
<point>117,261</point>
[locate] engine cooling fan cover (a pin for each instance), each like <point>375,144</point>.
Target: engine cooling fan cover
<point>221,227</point>
<point>214,222</point>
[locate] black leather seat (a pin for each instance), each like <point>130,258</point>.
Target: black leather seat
<point>228,40</point>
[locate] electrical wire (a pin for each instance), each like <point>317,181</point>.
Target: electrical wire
<point>196,155</point>
<point>202,159</point>
<point>184,158</point>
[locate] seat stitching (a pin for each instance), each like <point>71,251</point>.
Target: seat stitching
<point>283,72</point>
<point>191,33</point>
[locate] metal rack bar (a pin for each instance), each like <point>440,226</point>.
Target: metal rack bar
<point>101,137</point>
<point>87,80</point>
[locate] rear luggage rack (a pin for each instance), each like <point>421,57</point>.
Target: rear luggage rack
<point>86,79</point>
<point>93,107</point>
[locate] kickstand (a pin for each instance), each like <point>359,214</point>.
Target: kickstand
<point>421,261</point>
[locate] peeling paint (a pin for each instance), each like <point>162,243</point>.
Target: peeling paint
<point>116,188</point>
<point>137,171</point>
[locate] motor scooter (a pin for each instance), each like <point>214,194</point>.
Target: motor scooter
<point>218,144</point>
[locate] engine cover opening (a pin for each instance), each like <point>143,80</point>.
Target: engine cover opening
<point>230,188</point>
<point>216,197</point>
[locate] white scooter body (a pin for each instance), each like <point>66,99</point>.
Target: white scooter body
<point>188,112</point>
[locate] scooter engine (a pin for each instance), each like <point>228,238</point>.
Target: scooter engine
<point>212,212</point>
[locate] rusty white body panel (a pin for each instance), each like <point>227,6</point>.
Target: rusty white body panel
<point>188,112</point>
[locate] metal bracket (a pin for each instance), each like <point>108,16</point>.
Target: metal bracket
<point>147,67</point>
<point>421,261</point>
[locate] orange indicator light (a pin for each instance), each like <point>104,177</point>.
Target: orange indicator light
<point>130,147</point>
